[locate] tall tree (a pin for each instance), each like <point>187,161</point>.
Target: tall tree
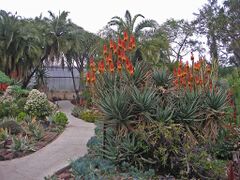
<point>10,41</point>
<point>180,34</point>
<point>82,45</point>
<point>52,32</point>
<point>156,48</point>
<point>230,30</point>
<point>207,24</point>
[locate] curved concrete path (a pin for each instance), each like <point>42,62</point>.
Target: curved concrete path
<point>70,145</point>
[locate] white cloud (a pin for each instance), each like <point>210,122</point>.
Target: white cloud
<point>92,15</point>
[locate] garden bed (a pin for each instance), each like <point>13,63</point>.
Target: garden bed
<point>7,154</point>
<point>28,122</point>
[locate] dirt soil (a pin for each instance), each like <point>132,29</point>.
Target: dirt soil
<point>6,154</point>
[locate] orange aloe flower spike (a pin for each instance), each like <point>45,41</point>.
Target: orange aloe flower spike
<point>125,36</point>
<point>88,76</point>
<point>114,48</point>
<point>130,69</point>
<point>111,67</point>
<point>105,49</point>
<point>119,65</point>
<point>93,77</point>
<point>119,42</point>
<point>111,44</point>
<point>132,41</point>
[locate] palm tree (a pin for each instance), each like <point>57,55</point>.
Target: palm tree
<point>52,40</point>
<point>155,48</point>
<point>129,24</point>
<point>10,41</point>
<point>81,45</point>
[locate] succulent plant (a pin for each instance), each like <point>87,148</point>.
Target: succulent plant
<point>161,77</point>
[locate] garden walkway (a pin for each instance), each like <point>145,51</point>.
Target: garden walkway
<point>70,145</point>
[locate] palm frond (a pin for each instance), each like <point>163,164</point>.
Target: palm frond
<point>128,18</point>
<point>148,23</point>
<point>134,20</point>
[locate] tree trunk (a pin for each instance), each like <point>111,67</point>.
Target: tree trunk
<point>74,86</point>
<point>29,77</point>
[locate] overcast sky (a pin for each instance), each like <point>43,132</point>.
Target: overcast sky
<point>92,15</point>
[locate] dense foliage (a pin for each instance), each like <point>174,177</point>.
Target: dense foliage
<point>23,122</point>
<point>154,119</point>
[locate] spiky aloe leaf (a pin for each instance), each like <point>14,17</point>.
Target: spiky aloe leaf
<point>115,106</point>
<point>125,149</point>
<point>144,100</point>
<point>217,99</point>
<point>161,77</point>
<point>164,114</point>
<point>106,82</point>
<point>140,76</point>
<point>188,108</point>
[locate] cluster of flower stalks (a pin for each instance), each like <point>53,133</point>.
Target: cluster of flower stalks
<point>194,76</point>
<point>116,58</point>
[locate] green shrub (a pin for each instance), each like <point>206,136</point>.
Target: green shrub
<point>53,107</point>
<point>17,91</point>
<point>161,121</point>
<point>60,119</point>
<point>89,115</point>
<point>4,78</point>
<point>37,104</point>
<point>8,109</point>
<point>227,142</point>
<point>85,114</point>
<point>204,166</point>
<point>86,96</point>
<point>21,116</point>
<point>21,103</point>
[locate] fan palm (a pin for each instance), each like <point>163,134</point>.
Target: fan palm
<point>129,23</point>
